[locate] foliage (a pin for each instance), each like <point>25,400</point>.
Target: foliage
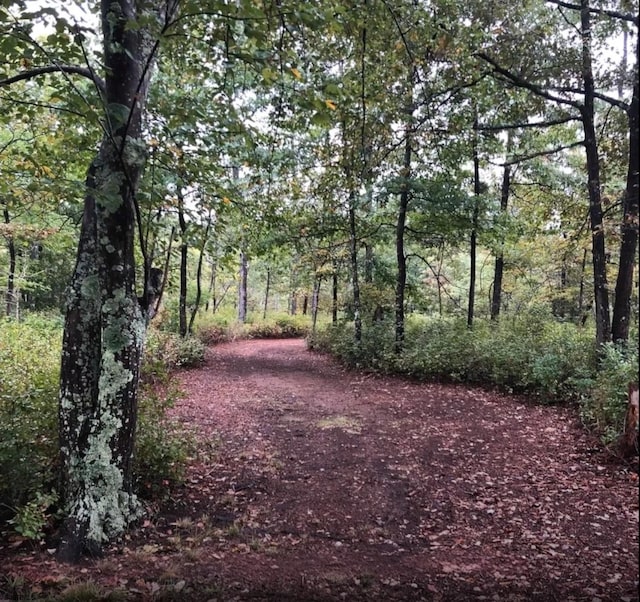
<point>605,405</point>
<point>217,328</point>
<point>532,354</point>
<point>169,350</point>
<point>28,417</point>
<point>162,444</point>
<point>28,420</point>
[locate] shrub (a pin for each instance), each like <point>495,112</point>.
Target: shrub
<point>28,412</point>
<point>605,405</point>
<point>28,419</point>
<point>165,350</point>
<point>162,445</point>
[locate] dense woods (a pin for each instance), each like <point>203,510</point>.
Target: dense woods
<point>447,190</point>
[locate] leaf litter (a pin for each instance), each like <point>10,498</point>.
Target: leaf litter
<point>328,484</point>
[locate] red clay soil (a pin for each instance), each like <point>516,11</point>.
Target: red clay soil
<point>315,483</point>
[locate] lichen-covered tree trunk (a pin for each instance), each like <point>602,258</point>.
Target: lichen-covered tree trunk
<point>105,323</point>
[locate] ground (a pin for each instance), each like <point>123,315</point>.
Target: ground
<point>316,483</point>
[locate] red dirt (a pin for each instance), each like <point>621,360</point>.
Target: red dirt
<point>318,483</point>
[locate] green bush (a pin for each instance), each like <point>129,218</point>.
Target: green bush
<point>212,329</point>
<point>162,445</point>
<point>549,360</point>
<point>30,367</point>
<point>165,350</point>
<point>605,405</point>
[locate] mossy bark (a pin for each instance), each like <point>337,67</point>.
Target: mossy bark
<point>105,323</point>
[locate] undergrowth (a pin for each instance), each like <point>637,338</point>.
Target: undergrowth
<point>218,328</point>
<point>552,361</point>
<point>30,368</point>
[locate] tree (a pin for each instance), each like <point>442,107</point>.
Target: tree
<point>105,321</point>
<point>582,71</point>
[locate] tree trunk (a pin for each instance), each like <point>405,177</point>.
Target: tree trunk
<point>105,323</point>
<point>334,295</point>
<point>600,284</point>
<point>196,304</point>
<point>355,284</point>
<point>184,257</point>
<point>11,301</point>
<point>266,294</point>
<point>211,293</point>
<point>629,243</point>
<point>315,297</point>
<point>401,258</point>
<point>242,288</point>
<point>496,298</point>
<point>474,229</point>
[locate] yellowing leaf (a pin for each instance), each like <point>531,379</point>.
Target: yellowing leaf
<point>226,200</point>
<point>47,171</point>
<point>296,73</point>
<point>330,104</point>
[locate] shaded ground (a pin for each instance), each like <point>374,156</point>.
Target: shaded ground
<point>317,483</point>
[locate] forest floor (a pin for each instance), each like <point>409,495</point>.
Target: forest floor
<point>316,483</point>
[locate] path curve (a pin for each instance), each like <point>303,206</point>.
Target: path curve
<point>315,483</point>
<point>342,484</point>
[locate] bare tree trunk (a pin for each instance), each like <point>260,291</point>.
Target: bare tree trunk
<point>184,257</point>
<point>315,297</point>
<point>496,298</point>
<point>629,244</point>
<point>334,295</point>
<point>401,258</point>
<point>211,293</point>
<point>196,304</point>
<point>266,294</point>
<point>165,276</point>
<point>353,247</point>
<point>601,286</point>
<point>474,228</point>
<point>11,301</point>
<point>242,288</point>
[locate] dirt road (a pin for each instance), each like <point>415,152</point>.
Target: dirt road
<point>317,483</point>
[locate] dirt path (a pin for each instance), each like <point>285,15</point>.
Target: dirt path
<point>321,484</point>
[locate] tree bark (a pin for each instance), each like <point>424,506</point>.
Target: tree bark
<point>105,323</point>
<point>334,295</point>
<point>600,284</point>
<point>196,303</point>
<point>629,243</point>
<point>496,298</point>
<point>11,301</point>
<point>355,283</point>
<point>474,229</point>
<point>401,258</point>
<point>184,257</point>
<point>242,288</point>
<point>315,298</point>
<point>266,294</point>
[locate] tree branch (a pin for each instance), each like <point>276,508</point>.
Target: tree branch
<point>73,69</point>
<point>519,82</point>
<point>543,153</point>
<point>533,124</point>
<point>598,11</point>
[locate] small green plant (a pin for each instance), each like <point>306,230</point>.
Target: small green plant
<point>162,445</point>
<point>31,518</point>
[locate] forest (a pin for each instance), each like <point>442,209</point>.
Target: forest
<point>429,193</point>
